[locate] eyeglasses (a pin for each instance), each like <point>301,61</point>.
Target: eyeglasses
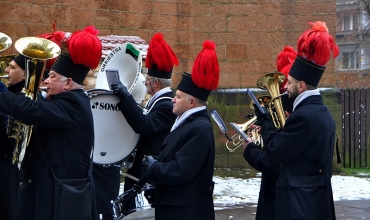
<point>146,79</point>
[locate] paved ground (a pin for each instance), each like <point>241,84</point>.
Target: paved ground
<point>345,210</point>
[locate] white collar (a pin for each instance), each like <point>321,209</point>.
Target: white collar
<point>157,94</point>
<point>185,115</point>
<point>304,95</point>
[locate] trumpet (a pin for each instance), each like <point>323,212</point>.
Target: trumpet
<point>39,50</point>
<point>237,140</point>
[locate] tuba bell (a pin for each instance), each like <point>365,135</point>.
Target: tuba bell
<point>5,43</point>
<point>271,82</point>
<point>38,50</point>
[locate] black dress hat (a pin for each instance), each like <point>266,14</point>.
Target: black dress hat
<point>313,52</point>
<point>205,73</point>
<point>160,58</point>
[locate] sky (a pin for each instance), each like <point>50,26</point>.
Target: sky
<point>230,191</point>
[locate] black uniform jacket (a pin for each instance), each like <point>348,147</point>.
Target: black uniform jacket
<point>258,159</point>
<point>153,127</point>
<point>66,133</point>
<point>9,172</point>
<point>184,171</point>
<point>304,148</point>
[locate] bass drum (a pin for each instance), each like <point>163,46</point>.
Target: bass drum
<point>115,140</point>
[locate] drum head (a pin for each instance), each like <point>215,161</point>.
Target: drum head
<point>114,137</point>
<point>127,59</point>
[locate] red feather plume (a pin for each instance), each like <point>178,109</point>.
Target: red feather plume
<point>57,37</point>
<point>85,47</point>
<point>206,72</point>
<point>284,63</point>
<point>160,54</point>
<point>316,44</point>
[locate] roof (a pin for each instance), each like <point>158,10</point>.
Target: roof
<point>110,42</point>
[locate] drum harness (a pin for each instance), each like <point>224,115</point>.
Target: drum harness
<point>146,110</point>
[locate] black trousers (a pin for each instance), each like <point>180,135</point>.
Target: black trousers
<point>107,184</point>
<point>9,183</point>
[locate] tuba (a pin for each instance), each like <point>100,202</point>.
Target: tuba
<point>39,50</point>
<point>271,82</point>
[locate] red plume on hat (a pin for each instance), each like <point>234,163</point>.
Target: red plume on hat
<point>160,54</point>
<point>57,37</point>
<point>284,62</point>
<point>82,41</point>
<point>316,44</point>
<point>206,72</point>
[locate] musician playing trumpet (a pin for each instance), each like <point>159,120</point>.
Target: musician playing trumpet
<point>304,146</point>
<point>257,157</point>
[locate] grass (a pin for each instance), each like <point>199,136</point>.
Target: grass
<point>360,172</point>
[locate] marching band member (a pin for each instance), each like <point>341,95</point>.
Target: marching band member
<point>9,172</point>
<point>183,171</point>
<point>257,157</point>
<point>304,147</point>
<point>65,131</point>
<point>155,123</point>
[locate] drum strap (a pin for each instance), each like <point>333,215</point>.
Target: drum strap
<point>146,111</point>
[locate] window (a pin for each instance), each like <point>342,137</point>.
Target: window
<point>350,22</point>
<point>350,60</point>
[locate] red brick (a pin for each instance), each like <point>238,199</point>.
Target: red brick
<point>108,19</point>
<point>180,23</point>
<point>166,8</point>
<point>236,52</point>
<point>130,20</point>
<point>153,21</point>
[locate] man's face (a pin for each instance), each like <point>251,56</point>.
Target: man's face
<point>150,84</point>
<point>54,84</point>
<point>292,87</point>
<point>181,103</point>
<point>15,72</point>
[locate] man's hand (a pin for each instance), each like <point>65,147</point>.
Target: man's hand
<point>147,165</point>
<point>120,91</point>
<point>2,86</point>
<point>261,118</point>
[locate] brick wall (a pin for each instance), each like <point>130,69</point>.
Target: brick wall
<point>249,33</point>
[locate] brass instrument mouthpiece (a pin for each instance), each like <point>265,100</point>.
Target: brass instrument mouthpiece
<point>43,88</point>
<point>4,77</point>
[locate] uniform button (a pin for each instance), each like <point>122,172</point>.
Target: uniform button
<point>320,170</point>
<point>20,183</point>
<point>29,181</point>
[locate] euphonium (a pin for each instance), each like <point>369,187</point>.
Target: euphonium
<point>271,82</point>
<point>39,50</point>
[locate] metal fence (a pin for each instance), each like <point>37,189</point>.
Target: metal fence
<point>356,128</point>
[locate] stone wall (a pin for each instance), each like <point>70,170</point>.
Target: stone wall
<point>249,33</point>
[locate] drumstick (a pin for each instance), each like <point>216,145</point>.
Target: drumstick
<point>131,177</point>
<point>134,178</point>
